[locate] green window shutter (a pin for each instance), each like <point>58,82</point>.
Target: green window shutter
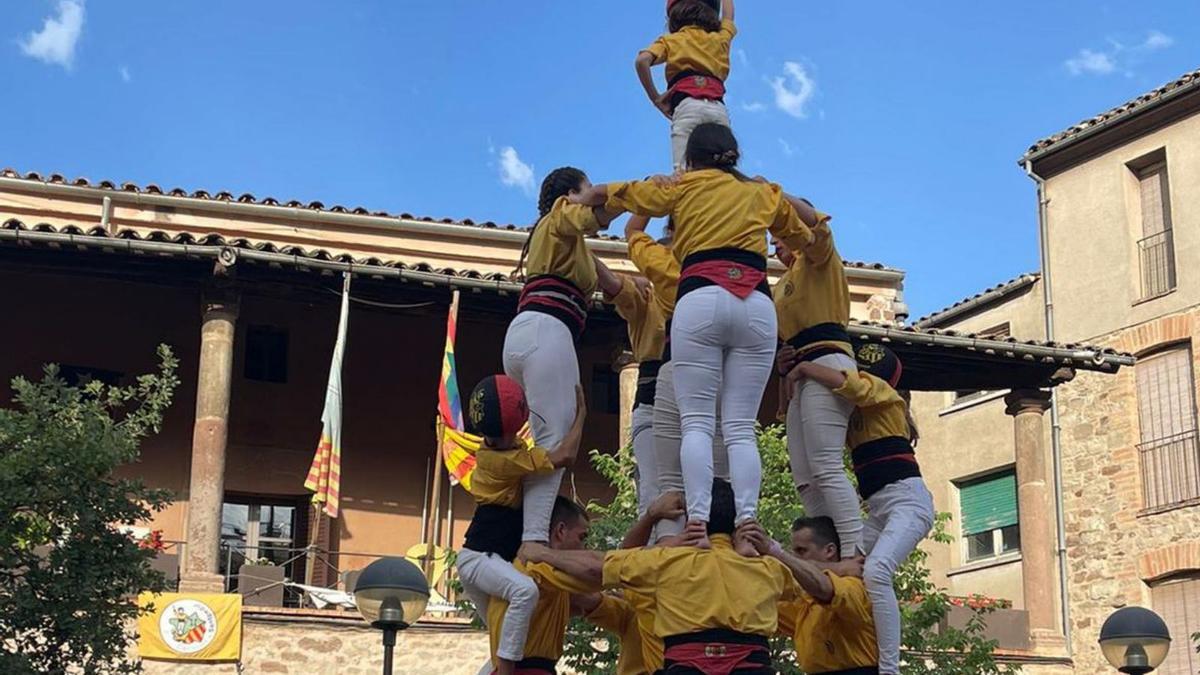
<point>989,503</point>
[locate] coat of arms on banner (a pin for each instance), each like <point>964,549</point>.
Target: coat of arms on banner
<point>188,626</point>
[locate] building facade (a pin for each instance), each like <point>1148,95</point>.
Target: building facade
<point>1119,208</point>
<point>245,291</point>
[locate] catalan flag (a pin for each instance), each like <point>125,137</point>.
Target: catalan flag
<point>457,446</point>
<point>325,474</point>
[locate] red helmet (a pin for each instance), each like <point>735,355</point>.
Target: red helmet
<point>497,407</point>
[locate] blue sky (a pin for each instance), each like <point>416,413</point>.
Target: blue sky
<point>903,120</point>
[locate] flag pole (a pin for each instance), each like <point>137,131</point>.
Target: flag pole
<point>425,506</point>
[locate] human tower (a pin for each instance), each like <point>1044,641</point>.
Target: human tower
<point>697,587</point>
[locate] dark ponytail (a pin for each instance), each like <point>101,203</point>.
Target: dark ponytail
<point>558,183</point>
<point>713,146</point>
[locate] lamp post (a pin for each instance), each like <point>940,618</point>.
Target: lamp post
<point>1135,640</point>
<point>391,595</point>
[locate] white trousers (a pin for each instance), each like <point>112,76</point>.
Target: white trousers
<point>487,575</point>
<point>643,453</point>
<point>689,114</point>
<point>667,440</point>
<point>723,348</point>
<point>816,438</point>
<point>900,516</point>
<point>539,353</point>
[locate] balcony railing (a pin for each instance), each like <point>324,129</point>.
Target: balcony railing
<point>1170,470</point>
<point>1157,257</point>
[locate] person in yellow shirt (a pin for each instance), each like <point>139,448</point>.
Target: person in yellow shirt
<point>714,608</point>
<point>812,301</point>
<point>539,345</point>
<point>543,647</point>
<point>496,410</point>
<point>724,326</point>
<point>630,616</point>
<point>831,622</point>
<point>899,506</point>
<point>656,434</point>
<point>696,54</point>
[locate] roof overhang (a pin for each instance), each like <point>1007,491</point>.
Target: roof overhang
<point>933,360</point>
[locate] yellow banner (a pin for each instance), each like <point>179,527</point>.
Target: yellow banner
<point>190,627</point>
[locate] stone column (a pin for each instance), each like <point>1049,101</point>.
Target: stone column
<point>627,369</point>
<point>1028,407</point>
<point>207,488</point>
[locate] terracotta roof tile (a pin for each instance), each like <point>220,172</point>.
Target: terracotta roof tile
<point>247,198</point>
<point>999,290</point>
<point>1128,108</point>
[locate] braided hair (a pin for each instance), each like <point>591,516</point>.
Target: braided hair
<point>713,146</point>
<point>558,183</point>
<point>701,13</point>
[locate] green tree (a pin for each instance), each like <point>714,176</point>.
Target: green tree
<point>930,645</point>
<point>69,575</point>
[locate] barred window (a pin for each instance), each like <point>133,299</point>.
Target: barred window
<point>1177,601</point>
<point>1156,247</point>
<point>1170,456</point>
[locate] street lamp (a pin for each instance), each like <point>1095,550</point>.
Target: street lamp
<point>1135,640</point>
<point>391,594</point>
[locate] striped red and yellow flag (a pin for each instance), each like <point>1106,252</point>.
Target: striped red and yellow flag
<point>325,474</point>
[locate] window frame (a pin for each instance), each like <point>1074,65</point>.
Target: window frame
<point>1150,165</point>
<point>998,553</point>
<point>1159,480</point>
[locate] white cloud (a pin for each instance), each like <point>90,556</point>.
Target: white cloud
<point>794,90</point>
<point>742,58</point>
<point>1158,40</point>
<point>756,106</point>
<point>1092,63</point>
<point>787,148</point>
<point>125,76</point>
<point>1118,57</point>
<point>514,172</point>
<point>55,42</point>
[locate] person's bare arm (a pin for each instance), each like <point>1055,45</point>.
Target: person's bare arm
<point>587,566</point>
<point>804,209</point>
<point>668,505</point>
<point>582,605</point>
<point>829,377</point>
<point>568,450</point>
<point>727,10</point>
<point>643,63</point>
<point>596,195</point>
<point>606,279</point>
<point>807,575</point>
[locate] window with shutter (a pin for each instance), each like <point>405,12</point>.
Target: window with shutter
<point>1169,453</point>
<point>990,524</point>
<point>1177,601</point>
<point>1156,247</point>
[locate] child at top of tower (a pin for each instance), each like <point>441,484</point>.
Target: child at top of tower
<point>696,54</point>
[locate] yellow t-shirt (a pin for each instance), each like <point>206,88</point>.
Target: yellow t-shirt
<point>837,636</point>
<point>549,623</point>
<point>559,245</point>
<point>713,209</point>
<point>695,589</point>
<point>693,48</point>
<point>499,473</point>
<point>814,290</point>
<point>617,616</point>
<point>647,325</point>
<point>657,264</point>
<point>652,645</point>
<point>879,410</point>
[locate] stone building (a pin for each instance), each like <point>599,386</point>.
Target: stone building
<point>1119,211</point>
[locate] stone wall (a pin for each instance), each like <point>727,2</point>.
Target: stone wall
<point>339,647</point>
<point>1114,546</point>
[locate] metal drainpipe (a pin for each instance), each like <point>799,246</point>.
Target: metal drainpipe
<point>1055,425</point>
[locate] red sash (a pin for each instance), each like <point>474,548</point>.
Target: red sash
<point>697,85</point>
<point>713,658</point>
<point>739,279</point>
